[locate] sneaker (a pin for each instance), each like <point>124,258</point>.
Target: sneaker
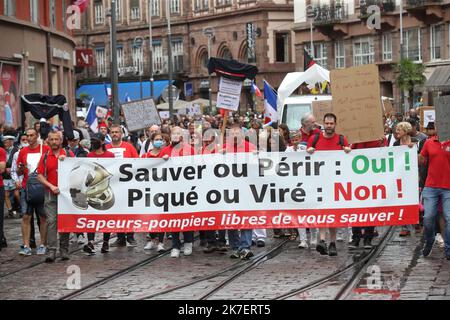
<point>41,250</point>
<point>260,243</point>
<point>303,244</point>
<point>150,245</point>
<point>160,247</point>
<point>80,239</point>
<point>427,249</point>
<point>187,249</point>
<point>235,255</point>
<point>169,236</point>
<point>132,242</point>
<point>51,256</point>
<point>105,247</point>
<point>246,254</point>
<point>321,247</point>
<point>404,233</point>
<point>175,253</point>
<point>119,243</point>
<point>25,251</point>
<point>89,248</point>
<point>210,248</point>
<point>354,244</point>
<point>367,243</point>
<point>439,241</point>
<point>332,251</point>
<point>64,254</point>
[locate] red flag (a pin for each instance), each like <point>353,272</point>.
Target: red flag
<point>82,4</point>
<point>308,61</point>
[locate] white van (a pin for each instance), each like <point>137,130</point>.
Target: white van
<point>294,107</point>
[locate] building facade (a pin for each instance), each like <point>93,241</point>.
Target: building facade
<point>250,31</point>
<point>344,35</point>
<point>36,54</point>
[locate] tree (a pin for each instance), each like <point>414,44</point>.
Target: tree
<point>409,74</point>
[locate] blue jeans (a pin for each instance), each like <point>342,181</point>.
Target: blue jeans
<point>242,242</point>
<point>188,238</point>
<point>431,198</point>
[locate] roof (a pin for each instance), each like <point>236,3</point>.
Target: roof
<point>439,80</point>
<point>130,89</point>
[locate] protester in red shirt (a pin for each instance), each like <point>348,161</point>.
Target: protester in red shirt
<point>28,161</point>
<point>98,151</point>
<point>235,141</point>
<point>2,197</point>
<point>437,187</point>
<point>309,127</point>
<point>178,147</point>
<point>328,140</point>
<point>121,149</point>
<point>48,176</point>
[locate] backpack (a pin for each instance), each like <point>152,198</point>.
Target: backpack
<point>317,136</point>
<point>34,189</point>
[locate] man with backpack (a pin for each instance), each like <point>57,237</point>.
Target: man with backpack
<point>9,185</point>
<point>327,140</point>
<point>48,176</point>
<point>31,200</point>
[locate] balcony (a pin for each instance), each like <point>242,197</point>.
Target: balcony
<point>327,15</point>
<point>427,11</point>
<point>385,6</point>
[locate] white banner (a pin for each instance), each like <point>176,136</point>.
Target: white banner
<point>244,190</point>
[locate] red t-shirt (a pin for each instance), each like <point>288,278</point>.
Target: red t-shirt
<point>370,144</point>
<point>438,156</point>
<point>105,154</point>
<point>125,150</point>
<point>206,150</point>
<point>245,146</point>
<point>51,166</point>
<point>306,136</point>
<point>29,158</point>
<point>2,159</point>
<point>324,144</point>
<point>177,151</point>
<point>150,155</point>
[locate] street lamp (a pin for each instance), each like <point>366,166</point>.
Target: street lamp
<point>209,32</point>
<point>311,15</point>
<point>169,51</point>
<point>114,75</point>
<point>150,42</point>
<point>139,41</point>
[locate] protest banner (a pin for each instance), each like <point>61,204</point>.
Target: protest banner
<point>427,114</point>
<point>229,94</point>
<point>321,108</point>
<point>357,103</point>
<point>373,187</point>
<point>443,117</point>
<point>140,114</point>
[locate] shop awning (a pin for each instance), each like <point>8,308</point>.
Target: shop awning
<point>126,89</point>
<point>439,80</point>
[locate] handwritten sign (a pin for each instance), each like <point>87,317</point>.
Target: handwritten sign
<point>357,103</point>
<point>321,108</point>
<point>443,117</point>
<point>229,94</point>
<point>140,114</point>
<point>164,115</point>
<point>388,108</point>
<point>427,115</point>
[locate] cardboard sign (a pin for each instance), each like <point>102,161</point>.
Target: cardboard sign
<point>443,118</point>
<point>321,108</point>
<point>427,114</point>
<point>140,114</point>
<point>388,108</point>
<point>164,115</point>
<point>357,103</point>
<point>229,94</point>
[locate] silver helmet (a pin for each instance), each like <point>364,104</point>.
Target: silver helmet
<point>89,185</point>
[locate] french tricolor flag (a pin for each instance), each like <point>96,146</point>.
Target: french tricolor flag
<point>256,90</point>
<point>270,104</point>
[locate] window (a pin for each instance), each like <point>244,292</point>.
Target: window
<point>226,54</point>
<point>320,53</point>
<point>100,61</point>
<point>436,35</point>
<point>282,47</point>
<point>339,55</point>
<point>52,13</point>
<point>31,73</point>
<point>135,10</point>
<point>34,11</point>
<point>34,77</point>
<point>98,12</point>
<point>10,8</point>
<point>387,47</point>
<point>177,54</point>
<point>155,8</point>
<point>118,10</point>
<point>174,6</point>
<point>363,51</point>
<point>411,44</point>
<point>158,61</point>
<point>138,59</point>
<point>201,5</point>
<point>120,59</point>
<point>223,2</point>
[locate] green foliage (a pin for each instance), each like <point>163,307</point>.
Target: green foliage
<point>409,74</point>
